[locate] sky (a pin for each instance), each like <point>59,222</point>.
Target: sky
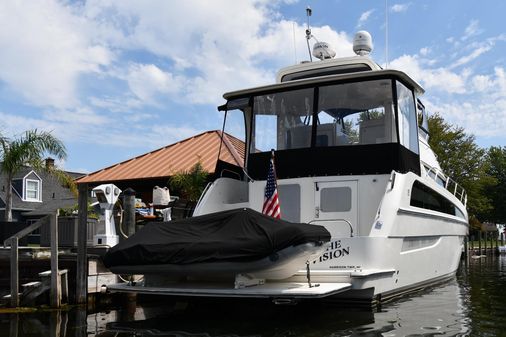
<point>114,79</point>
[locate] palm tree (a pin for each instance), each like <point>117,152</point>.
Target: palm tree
<point>28,150</point>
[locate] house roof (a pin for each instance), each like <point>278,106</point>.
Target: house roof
<point>174,158</point>
<point>54,195</point>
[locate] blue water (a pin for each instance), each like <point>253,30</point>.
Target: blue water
<point>472,304</point>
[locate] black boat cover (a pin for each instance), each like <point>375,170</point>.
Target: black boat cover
<point>234,235</point>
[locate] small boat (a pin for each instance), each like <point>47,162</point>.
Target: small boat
<point>241,245</point>
<point>351,152</point>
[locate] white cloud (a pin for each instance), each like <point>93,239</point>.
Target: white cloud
<point>482,111</point>
<point>12,125</point>
<point>481,83</point>
<point>116,104</point>
<point>147,80</point>
<point>473,55</point>
<point>398,8</point>
<point>83,116</point>
<point>481,117</point>
<point>471,30</point>
<point>45,48</point>
<point>45,63</point>
<point>168,134</point>
<point>364,17</point>
<point>95,68</point>
<point>441,79</point>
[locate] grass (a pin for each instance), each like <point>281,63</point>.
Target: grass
<point>476,243</point>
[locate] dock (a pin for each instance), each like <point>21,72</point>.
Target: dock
<point>33,262</point>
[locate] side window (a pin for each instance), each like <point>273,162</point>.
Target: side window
<point>407,118</point>
<point>424,197</point>
<point>423,120</point>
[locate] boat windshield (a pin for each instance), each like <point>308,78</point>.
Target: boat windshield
<point>344,114</point>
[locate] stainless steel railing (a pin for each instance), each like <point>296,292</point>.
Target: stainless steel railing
<point>448,183</point>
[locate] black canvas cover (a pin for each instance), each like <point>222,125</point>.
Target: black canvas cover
<point>336,161</point>
<point>234,235</point>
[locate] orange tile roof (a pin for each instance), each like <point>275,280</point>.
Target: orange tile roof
<point>178,157</point>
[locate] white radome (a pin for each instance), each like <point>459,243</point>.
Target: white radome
<point>362,43</point>
<point>323,50</point>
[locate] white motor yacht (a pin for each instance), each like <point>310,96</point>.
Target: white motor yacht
<point>351,154</point>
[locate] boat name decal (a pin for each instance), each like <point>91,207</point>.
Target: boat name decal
<point>335,251</point>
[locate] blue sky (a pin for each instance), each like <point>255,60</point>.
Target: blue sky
<point>115,79</point>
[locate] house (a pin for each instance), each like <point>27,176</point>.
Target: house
<point>154,168</point>
<point>34,194</point>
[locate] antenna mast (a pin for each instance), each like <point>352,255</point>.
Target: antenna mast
<point>308,32</point>
<point>386,33</point>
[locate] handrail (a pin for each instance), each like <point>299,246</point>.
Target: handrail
<point>13,240</point>
<point>458,191</point>
<point>226,170</point>
<point>328,220</point>
<point>25,231</point>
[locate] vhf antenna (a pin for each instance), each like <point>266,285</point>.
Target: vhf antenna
<point>308,32</point>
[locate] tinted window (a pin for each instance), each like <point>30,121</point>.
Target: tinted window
<point>283,120</point>
<point>355,114</point>
<point>408,132</point>
<point>425,197</point>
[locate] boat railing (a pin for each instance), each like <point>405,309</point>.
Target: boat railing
<point>334,220</point>
<point>448,183</point>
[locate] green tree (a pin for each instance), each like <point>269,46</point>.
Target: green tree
<point>29,150</point>
<point>462,160</point>
<point>497,192</point>
<point>190,184</point>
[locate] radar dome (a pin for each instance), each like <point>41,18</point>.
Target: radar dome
<point>322,50</point>
<point>362,43</point>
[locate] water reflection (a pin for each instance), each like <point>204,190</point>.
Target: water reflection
<point>437,311</point>
<point>49,324</point>
<point>473,304</point>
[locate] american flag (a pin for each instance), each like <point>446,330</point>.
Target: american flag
<point>271,201</point>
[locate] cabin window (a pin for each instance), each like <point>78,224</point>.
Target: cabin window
<point>334,126</point>
<point>355,114</point>
<point>407,118</point>
<point>32,190</point>
<point>425,197</point>
<point>283,120</point>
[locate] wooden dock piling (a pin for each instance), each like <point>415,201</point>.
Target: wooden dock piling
<point>129,209</point>
<point>82,258</point>
<point>55,293</point>
<point>14,272</point>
